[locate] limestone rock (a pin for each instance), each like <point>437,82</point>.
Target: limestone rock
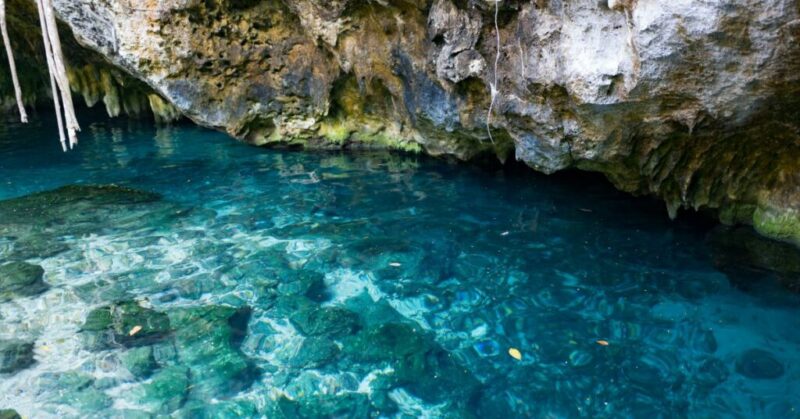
<point>696,103</point>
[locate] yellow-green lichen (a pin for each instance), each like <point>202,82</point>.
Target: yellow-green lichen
<point>335,132</point>
<point>163,111</point>
<point>366,133</point>
<point>778,223</point>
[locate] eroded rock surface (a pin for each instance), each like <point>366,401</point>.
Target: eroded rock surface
<point>694,102</point>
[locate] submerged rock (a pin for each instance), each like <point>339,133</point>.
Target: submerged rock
<point>9,414</point>
<point>201,409</point>
<point>125,323</point>
<point>21,279</point>
<point>37,223</point>
<point>350,405</point>
<point>67,203</point>
<point>31,245</point>
<point>15,355</point>
<point>167,390</point>
<point>76,389</point>
<point>208,340</point>
<point>327,321</point>
<point>419,364</point>
<point>140,361</point>
<point>759,364</point>
<point>315,352</point>
<point>306,283</point>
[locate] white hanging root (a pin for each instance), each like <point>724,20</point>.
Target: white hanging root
<point>521,49</point>
<point>11,64</point>
<point>59,83</point>
<point>61,73</point>
<point>50,66</point>
<point>493,86</point>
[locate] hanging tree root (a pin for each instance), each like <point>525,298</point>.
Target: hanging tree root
<point>493,85</point>
<point>11,64</point>
<point>50,66</point>
<point>59,83</point>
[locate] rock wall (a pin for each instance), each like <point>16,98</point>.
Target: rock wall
<point>696,102</point>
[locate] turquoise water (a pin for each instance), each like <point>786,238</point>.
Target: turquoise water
<point>221,280</point>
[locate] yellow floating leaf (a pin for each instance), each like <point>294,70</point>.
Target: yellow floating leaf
<point>135,330</point>
<point>602,342</point>
<point>515,353</point>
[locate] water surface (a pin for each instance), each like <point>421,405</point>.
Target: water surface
<point>274,283</point>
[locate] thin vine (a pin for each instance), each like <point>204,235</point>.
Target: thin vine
<point>494,85</point>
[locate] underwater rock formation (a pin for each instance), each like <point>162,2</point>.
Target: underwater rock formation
<point>696,103</point>
<point>15,355</point>
<point>126,323</point>
<point>20,279</point>
<point>9,414</point>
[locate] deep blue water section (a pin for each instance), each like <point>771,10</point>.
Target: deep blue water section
<point>186,274</point>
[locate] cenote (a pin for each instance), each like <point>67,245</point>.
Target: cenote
<point>170,271</point>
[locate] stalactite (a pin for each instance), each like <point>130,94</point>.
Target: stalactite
<point>85,81</point>
<point>163,111</point>
<point>110,94</point>
<point>11,64</point>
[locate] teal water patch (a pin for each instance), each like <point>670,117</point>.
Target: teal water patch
<point>172,271</point>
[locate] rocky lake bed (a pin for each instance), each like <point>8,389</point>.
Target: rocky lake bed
<point>170,272</point>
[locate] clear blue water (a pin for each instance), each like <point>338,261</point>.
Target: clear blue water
<point>302,284</point>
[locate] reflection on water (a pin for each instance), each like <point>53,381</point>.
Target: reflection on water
<point>220,280</point>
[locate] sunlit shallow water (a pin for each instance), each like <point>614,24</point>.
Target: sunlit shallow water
<point>269,283</point>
